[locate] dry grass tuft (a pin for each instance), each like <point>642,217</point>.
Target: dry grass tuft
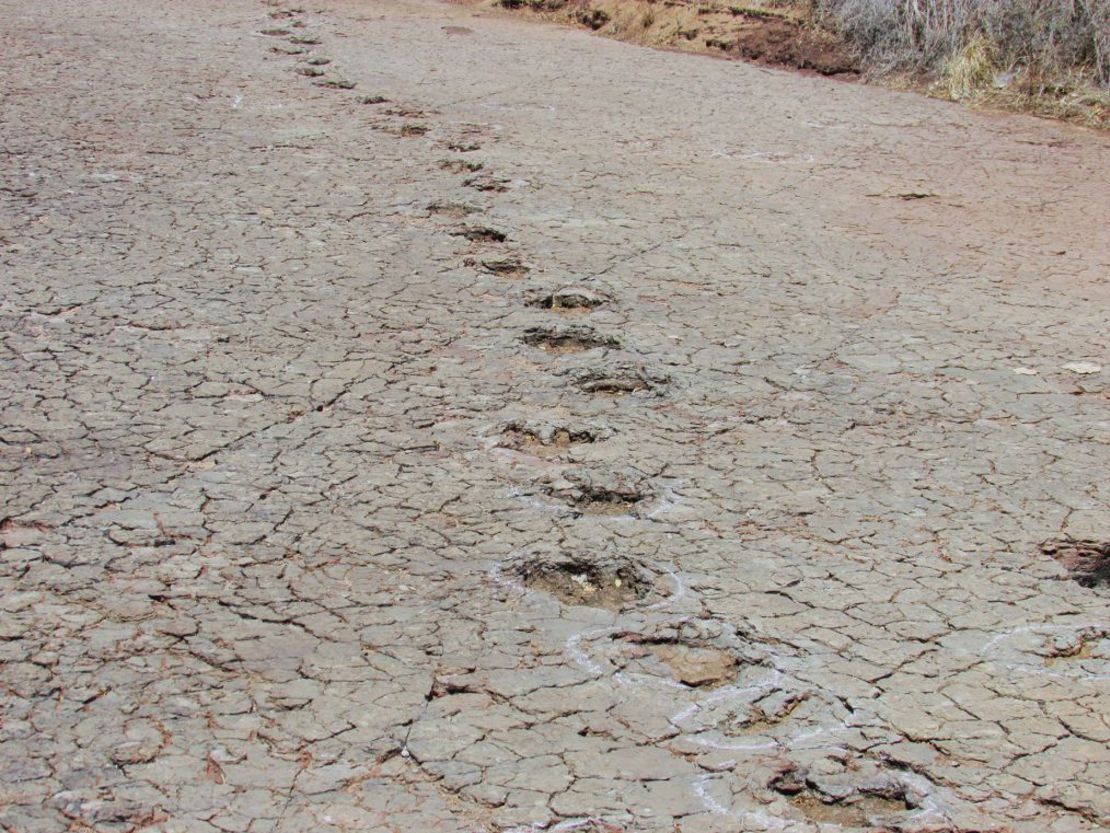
<point>969,71</point>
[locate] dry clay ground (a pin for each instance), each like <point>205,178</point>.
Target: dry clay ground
<point>582,438</point>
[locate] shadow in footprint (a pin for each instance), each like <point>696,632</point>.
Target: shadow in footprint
<point>619,380</point>
<point>1087,561</point>
<point>569,299</point>
<point>563,340</point>
<point>546,441</point>
<point>481,234</point>
<point>608,582</point>
<point>504,267</point>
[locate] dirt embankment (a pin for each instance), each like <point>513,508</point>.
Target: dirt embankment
<point>774,36</point>
<point>787,33</point>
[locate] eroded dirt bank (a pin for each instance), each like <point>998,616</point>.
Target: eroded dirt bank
<point>779,36</point>
<point>984,74</point>
<point>414,420</point>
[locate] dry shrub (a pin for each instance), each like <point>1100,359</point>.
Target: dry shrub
<point>1042,39</point>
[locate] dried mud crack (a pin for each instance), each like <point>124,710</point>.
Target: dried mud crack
<point>417,420</point>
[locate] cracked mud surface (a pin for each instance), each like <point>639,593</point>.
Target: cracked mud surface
<point>290,527</point>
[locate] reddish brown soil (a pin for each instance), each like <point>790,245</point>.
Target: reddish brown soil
<point>786,43</point>
<point>738,31</point>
